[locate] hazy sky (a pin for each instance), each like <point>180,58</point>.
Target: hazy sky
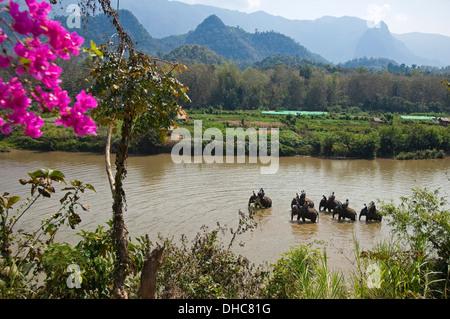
<point>402,16</point>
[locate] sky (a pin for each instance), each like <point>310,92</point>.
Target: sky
<point>401,16</point>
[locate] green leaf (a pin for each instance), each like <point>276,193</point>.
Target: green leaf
<point>57,176</point>
<point>90,187</point>
<point>12,200</point>
<point>25,61</point>
<point>95,50</point>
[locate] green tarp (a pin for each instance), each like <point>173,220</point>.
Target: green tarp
<point>294,113</point>
<point>412,117</point>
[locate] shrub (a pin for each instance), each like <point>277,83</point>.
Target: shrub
<point>422,224</point>
<point>303,273</point>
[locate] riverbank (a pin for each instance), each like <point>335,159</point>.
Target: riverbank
<point>331,135</point>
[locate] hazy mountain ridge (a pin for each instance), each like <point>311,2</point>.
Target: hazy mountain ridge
<point>237,44</point>
<point>336,39</point>
<point>221,41</point>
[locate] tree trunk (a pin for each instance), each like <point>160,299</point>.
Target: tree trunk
<point>153,260</point>
<point>120,234</point>
<point>108,160</point>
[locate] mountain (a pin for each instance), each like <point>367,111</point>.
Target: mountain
<point>379,42</point>
<point>337,39</point>
<point>432,46</point>
<point>100,30</point>
<point>192,54</point>
<point>239,45</point>
<point>210,42</point>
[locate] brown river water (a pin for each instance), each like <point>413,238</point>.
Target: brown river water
<point>175,199</point>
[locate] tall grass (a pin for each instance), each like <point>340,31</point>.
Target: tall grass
<point>390,271</point>
<point>302,273</point>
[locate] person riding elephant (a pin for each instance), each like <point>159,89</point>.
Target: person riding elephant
<point>331,204</point>
<point>304,212</point>
<point>346,212</point>
<point>264,202</point>
<point>252,199</point>
<point>261,193</point>
<point>298,201</point>
<point>345,205</point>
<point>371,213</point>
<point>304,200</point>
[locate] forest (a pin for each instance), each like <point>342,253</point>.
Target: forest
<point>280,85</point>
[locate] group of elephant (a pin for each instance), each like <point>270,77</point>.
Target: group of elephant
<point>303,207</point>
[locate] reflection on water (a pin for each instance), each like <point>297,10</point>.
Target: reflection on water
<point>174,199</point>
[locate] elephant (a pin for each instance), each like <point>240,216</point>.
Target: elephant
<point>323,203</point>
<point>371,214</point>
<point>302,202</point>
<point>330,204</point>
<point>259,202</point>
<point>345,213</point>
<point>304,212</point>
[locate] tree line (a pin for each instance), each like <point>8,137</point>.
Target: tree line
<point>312,87</point>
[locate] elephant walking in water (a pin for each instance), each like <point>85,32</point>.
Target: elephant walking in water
<point>371,213</point>
<point>329,204</point>
<point>323,203</point>
<point>302,201</point>
<point>304,212</point>
<point>345,212</point>
<point>260,201</point>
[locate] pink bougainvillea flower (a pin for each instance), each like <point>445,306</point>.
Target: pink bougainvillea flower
<point>4,61</point>
<point>3,36</point>
<point>85,102</point>
<point>75,117</point>
<point>6,128</point>
<point>22,23</point>
<point>36,58</point>
<point>39,10</point>
<point>61,40</point>
<point>33,125</point>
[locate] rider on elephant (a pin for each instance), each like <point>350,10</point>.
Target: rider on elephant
<point>261,193</point>
<point>302,198</point>
<point>372,207</point>
<point>345,205</point>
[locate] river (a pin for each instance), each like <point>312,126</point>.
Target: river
<point>174,199</point>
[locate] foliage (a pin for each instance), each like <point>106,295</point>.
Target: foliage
<point>135,87</point>
<point>302,273</point>
<point>208,270</point>
<point>390,271</point>
<point>30,246</point>
<point>422,223</point>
